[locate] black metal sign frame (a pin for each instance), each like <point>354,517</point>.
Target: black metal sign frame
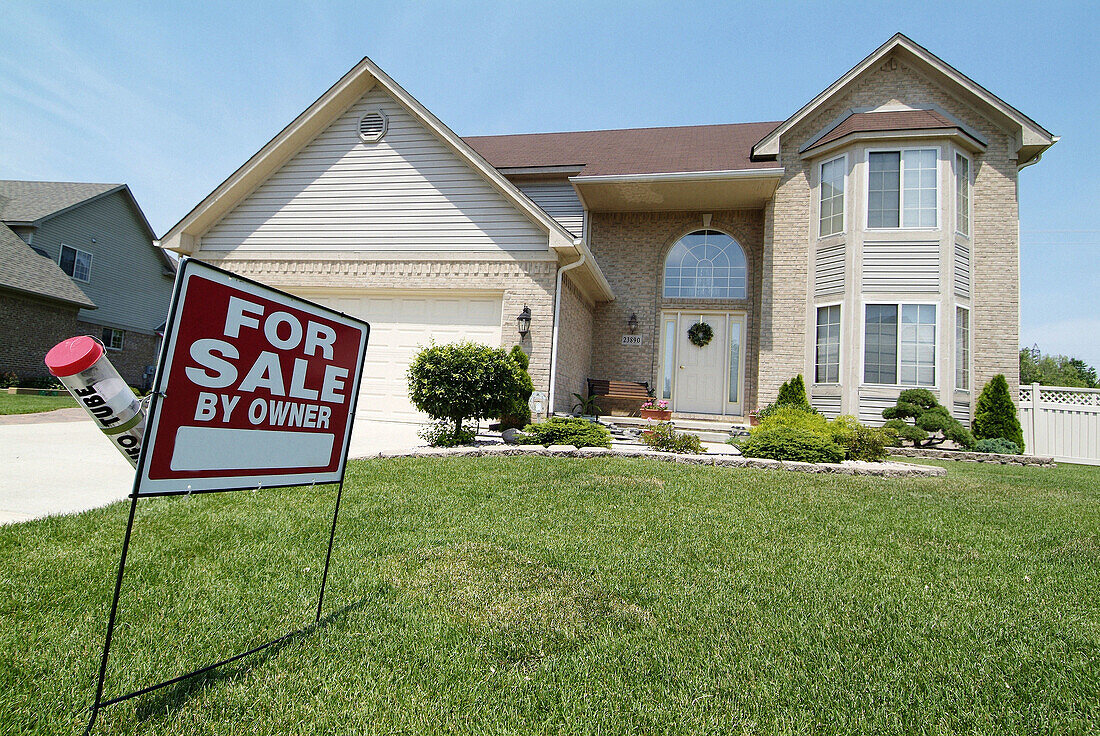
<point>157,394</point>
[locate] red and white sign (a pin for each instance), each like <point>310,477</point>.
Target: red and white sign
<point>256,387</point>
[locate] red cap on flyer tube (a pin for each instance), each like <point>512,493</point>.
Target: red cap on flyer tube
<point>73,355</point>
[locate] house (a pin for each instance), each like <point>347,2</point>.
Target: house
<point>869,241</point>
<point>78,258</point>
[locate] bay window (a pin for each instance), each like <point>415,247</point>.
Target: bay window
<point>900,344</point>
<point>962,194</point>
<point>901,188</point>
<point>962,348</point>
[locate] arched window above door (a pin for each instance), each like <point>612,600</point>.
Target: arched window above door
<point>706,264</point>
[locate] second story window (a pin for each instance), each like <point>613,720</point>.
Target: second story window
<point>832,197</point>
<point>76,263</point>
<point>901,188</point>
<point>962,194</point>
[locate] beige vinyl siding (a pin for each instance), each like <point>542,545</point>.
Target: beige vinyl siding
<point>127,280</point>
<point>406,192</point>
<point>901,266</point>
<point>560,201</point>
<point>828,405</point>
<point>870,408</point>
<point>829,270</point>
<point>962,269</point>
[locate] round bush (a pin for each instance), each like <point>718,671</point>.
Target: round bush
<point>464,381</point>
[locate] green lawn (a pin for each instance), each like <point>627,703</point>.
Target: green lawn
<point>604,596</point>
<point>32,403</point>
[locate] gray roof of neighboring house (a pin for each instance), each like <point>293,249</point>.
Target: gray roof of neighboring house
<point>21,269</point>
<point>30,201</point>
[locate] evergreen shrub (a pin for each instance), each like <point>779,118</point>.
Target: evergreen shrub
<point>995,416</point>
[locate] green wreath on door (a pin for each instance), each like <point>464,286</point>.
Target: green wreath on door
<point>700,334</point>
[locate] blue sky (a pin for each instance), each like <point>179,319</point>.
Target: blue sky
<point>172,97</point>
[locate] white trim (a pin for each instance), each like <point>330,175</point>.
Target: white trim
<point>674,176</point>
<point>937,365</point>
<point>77,251</point>
<point>840,358</point>
<point>728,317</point>
<point>844,197</point>
<point>901,190</point>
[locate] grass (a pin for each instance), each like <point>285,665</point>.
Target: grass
<point>541,595</point>
<point>32,403</point>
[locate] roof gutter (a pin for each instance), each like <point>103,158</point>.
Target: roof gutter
<point>557,326</point>
<point>675,176</point>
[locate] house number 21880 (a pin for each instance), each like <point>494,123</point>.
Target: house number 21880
<point>632,339</point>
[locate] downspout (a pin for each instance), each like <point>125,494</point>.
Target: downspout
<point>557,327</point>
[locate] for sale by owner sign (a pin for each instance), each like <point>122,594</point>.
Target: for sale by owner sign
<point>255,387</point>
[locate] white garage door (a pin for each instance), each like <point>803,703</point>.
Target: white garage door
<point>399,326</point>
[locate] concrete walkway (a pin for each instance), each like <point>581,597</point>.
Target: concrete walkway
<point>58,462</point>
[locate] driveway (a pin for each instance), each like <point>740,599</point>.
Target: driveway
<point>58,462</point>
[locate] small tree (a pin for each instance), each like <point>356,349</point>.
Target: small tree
<point>793,393</point>
<point>463,381</point>
<point>995,416</point>
<point>932,423</point>
<point>518,413</point>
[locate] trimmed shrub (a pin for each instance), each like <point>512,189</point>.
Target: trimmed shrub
<point>793,393</point>
<point>861,442</point>
<point>665,438</point>
<point>854,440</point>
<point>518,413</point>
<point>443,434</point>
<point>566,431</point>
<point>932,423</point>
<point>995,415</point>
<point>780,442</point>
<point>463,381</point>
<point>998,445</point>
<point>9,379</point>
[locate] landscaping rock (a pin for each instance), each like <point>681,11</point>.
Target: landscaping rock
<point>511,436</point>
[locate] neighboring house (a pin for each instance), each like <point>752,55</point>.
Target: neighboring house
<point>83,262</point>
<point>868,242</point>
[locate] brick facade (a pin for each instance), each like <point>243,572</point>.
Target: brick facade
<point>631,249</point>
<point>31,328</point>
<point>138,352</point>
<point>574,346</point>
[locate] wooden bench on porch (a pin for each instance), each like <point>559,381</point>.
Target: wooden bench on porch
<point>618,398</point>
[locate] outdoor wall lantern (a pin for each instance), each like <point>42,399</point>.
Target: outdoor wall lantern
<point>523,321</point>
<point>632,323</point>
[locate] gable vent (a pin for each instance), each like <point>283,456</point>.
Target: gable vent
<point>372,126</point>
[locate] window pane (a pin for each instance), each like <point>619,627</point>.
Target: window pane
<point>883,189</point>
<point>706,265</point>
<point>827,366</point>
<point>919,166</point>
<point>68,257</point>
<point>918,345</point>
<point>735,361</point>
<point>670,349</point>
<point>962,194</point>
<point>880,344</point>
<point>962,348</point>
<point>832,197</point>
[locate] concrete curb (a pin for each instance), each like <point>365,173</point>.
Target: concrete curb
<point>850,467</point>
<point>974,457</point>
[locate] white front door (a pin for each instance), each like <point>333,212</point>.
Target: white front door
<point>700,377</point>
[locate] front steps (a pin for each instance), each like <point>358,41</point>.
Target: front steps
<point>708,430</point>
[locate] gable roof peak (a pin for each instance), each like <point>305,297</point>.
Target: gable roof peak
<point>1032,138</point>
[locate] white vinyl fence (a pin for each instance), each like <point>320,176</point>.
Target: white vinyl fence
<point>1063,422</point>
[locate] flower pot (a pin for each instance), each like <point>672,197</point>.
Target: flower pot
<point>657,414</point>
<point>754,419</point>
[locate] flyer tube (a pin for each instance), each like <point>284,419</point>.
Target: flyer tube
<point>82,366</point>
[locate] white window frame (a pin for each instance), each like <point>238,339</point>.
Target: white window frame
<point>840,358</point>
<point>843,196</point>
<point>901,190</point>
<point>969,192</point>
<point>936,365</point>
<point>77,252</point>
<point>114,332</point>
<point>969,348</point>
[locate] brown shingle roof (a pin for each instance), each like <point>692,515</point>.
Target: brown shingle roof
<point>29,201</point>
<point>630,151</point>
<point>865,122</point>
<point>21,269</point>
